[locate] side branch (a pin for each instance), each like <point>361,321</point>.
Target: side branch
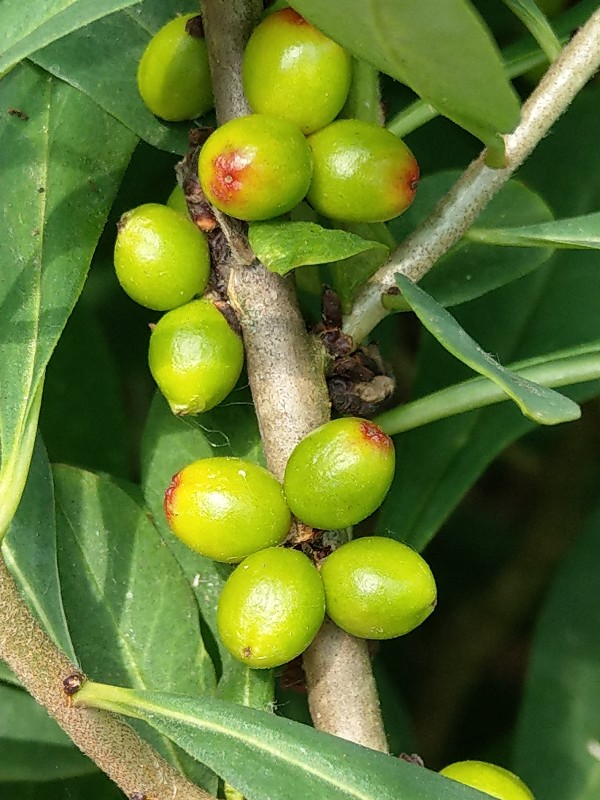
<point>286,377</point>
<point>115,747</point>
<point>453,215</point>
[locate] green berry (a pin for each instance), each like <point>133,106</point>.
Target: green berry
<point>226,508</point>
<point>255,167</point>
<point>271,607</point>
<point>361,172</point>
<point>177,201</point>
<point>294,71</point>
<point>377,588</point>
<point>173,75</point>
<point>162,260</point>
<point>495,781</point>
<point>339,473</point>
<point>195,357</point>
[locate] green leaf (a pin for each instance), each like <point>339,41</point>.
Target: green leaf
<point>92,787</point>
<point>470,269</point>
<point>565,368</point>
<point>7,676</point>
<point>131,612</point>
<point>535,21</point>
<point>539,403</point>
<point>57,191</point>
<point>577,232</point>
<point>558,734</point>
<point>295,760</point>
<point>32,746</point>
<point>29,550</point>
<point>440,48</point>
<point>110,81</point>
<point>25,27</point>
<point>82,385</point>
<point>283,246</point>
<point>169,444</point>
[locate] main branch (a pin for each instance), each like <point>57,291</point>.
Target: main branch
<point>577,63</point>
<point>286,377</point>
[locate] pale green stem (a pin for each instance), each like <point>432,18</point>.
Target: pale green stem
<point>537,24</point>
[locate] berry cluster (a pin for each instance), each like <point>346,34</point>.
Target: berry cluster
<point>274,602</point>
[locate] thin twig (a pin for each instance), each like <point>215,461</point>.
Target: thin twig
<point>578,62</point>
<point>286,375</point>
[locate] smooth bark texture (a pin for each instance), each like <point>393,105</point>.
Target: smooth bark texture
<point>286,376</point>
<point>115,747</point>
<point>578,62</point>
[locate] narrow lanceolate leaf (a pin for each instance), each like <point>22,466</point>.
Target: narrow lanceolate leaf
<point>169,444</point>
<point>29,550</point>
<point>283,246</point>
<point>32,746</point>
<point>576,233</point>
<point>440,48</point>
<point>25,27</point>
<point>111,80</point>
<point>539,403</point>
<point>558,735</point>
<point>131,613</point>
<point>61,159</point>
<point>271,758</point>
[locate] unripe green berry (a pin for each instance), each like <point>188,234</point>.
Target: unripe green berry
<point>294,71</point>
<point>162,260</point>
<point>377,588</point>
<point>173,75</point>
<point>195,357</point>
<point>255,167</point>
<point>271,607</point>
<point>176,200</point>
<point>226,508</point>
<point>361,172</point>
<point>495,781</point>
<point>340,473</point>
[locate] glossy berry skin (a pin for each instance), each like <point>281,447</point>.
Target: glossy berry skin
<point>377,588</point>
<point>173,75</point>
<point>226,508</point>
<point>161,258</point>
<point>255,167</point>
<point>195,357</point>
<point>271,607</point>
<point>339,473</point>
<point>294,71</point>
<point>495,781</point>
<point>361,172</point>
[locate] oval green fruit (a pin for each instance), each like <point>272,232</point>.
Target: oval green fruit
<point>339,473</point>
<point>195,357</point>
<point>271,607</point>
<point>173,75</point>
<point>161,258</point>
<point>361,172</point>
<point>377,588</point>
<point>226,508</point>
<point>292,70</point>
<point>495,781</point>
<point>255,167</point>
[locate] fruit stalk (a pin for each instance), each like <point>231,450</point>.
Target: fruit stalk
<point>129,761</point>
<point>286,376</point>
<point>454,214</point>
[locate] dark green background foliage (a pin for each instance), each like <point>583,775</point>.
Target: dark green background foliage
<point>506,669</point>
